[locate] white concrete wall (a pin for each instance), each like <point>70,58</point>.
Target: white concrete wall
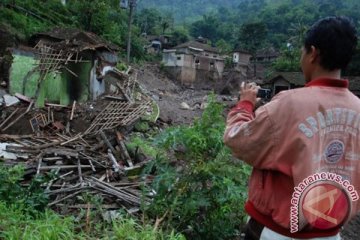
<point>96,87</point>
<point>236,57</point>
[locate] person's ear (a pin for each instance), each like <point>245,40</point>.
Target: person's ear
<point>314,54</point>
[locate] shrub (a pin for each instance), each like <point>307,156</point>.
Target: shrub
<point>201,191</point>
<point>32,197</point>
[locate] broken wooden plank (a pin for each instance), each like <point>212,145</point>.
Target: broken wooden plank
<point>62,199</point>
<point>8,118</point>
<point>102,134</point>
<point>116,165</point>
<point>72,111</point>
<point>12,137</point>
<point>115,98</point>
<point>79,171</point>
<point>18,118</point>
<point>20,149</point>
<point>73,139</point>
<point>123,91</point>
<point>76,187</point>
<point>124,152</point>
<point>64,167</point>
<point>23,97</point>
<point>56,105</point>
<point>92,206</point>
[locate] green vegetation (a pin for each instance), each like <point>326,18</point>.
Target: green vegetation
<point>200,189</point>
<point>15,224</point>
<point>248,24</point>
<point>103,17</point>
<point>129,229</point>
<point>31,199</point>
<point>256,24</point>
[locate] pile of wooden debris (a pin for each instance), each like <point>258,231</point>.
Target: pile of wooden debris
<point>94,160</point>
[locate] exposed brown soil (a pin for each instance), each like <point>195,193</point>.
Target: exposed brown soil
<point>169,95</point>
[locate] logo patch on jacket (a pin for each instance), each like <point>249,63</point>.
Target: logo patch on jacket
<point>334,151</point>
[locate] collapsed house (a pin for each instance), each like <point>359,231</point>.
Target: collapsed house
<point>64,65</point>
<point>194,64</point>
<point>81,143</point>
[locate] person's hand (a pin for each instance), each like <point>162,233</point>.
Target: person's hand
<point>248,92</point>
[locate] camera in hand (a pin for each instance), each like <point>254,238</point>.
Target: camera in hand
<point>264,93</point>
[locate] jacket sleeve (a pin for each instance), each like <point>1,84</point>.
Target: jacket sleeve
<point>251,136</point>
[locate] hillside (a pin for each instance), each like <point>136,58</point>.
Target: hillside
<point>190,9</point>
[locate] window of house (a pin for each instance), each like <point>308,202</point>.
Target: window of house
<point>197,61</point>
<point>206,54</point>
<point>215,56</point>
<point>212,65</point>
<point>179,58</point>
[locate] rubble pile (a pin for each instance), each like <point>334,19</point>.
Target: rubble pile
<point>81,146</point>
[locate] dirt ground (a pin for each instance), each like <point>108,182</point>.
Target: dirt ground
<point>170,96</point>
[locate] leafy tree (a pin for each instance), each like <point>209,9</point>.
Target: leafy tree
<point>207,27</point>
<point>179,35</point>
<point>223,46</point>
<point>91,17</point>
<point>252,36</point>
<point>147,20</point>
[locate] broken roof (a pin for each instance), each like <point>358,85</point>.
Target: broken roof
<point>195,44</point>
<point>82,39</point>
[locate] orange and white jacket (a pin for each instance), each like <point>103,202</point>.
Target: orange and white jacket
<point>299,133</point>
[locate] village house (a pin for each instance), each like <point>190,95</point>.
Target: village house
<point>194,63</point>
<point>266,55</point>
<point>157,43</point>
<point>63,65</point>
<point>280,81</point>
<point>241,61</point>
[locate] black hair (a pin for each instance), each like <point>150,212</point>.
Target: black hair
<point>336,40</point>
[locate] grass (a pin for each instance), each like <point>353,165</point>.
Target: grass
<point>16,224</point>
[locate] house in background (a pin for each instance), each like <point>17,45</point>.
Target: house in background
<point>70,62</point>
<point>280,81</point>
<point>157,43</point>
<point>266,55</point>
<point>241,61</point>
<point>194,63</point>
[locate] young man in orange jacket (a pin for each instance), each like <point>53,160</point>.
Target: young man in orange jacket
<point>304,145</point>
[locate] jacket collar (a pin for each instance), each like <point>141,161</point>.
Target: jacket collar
<point>328,82</point>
